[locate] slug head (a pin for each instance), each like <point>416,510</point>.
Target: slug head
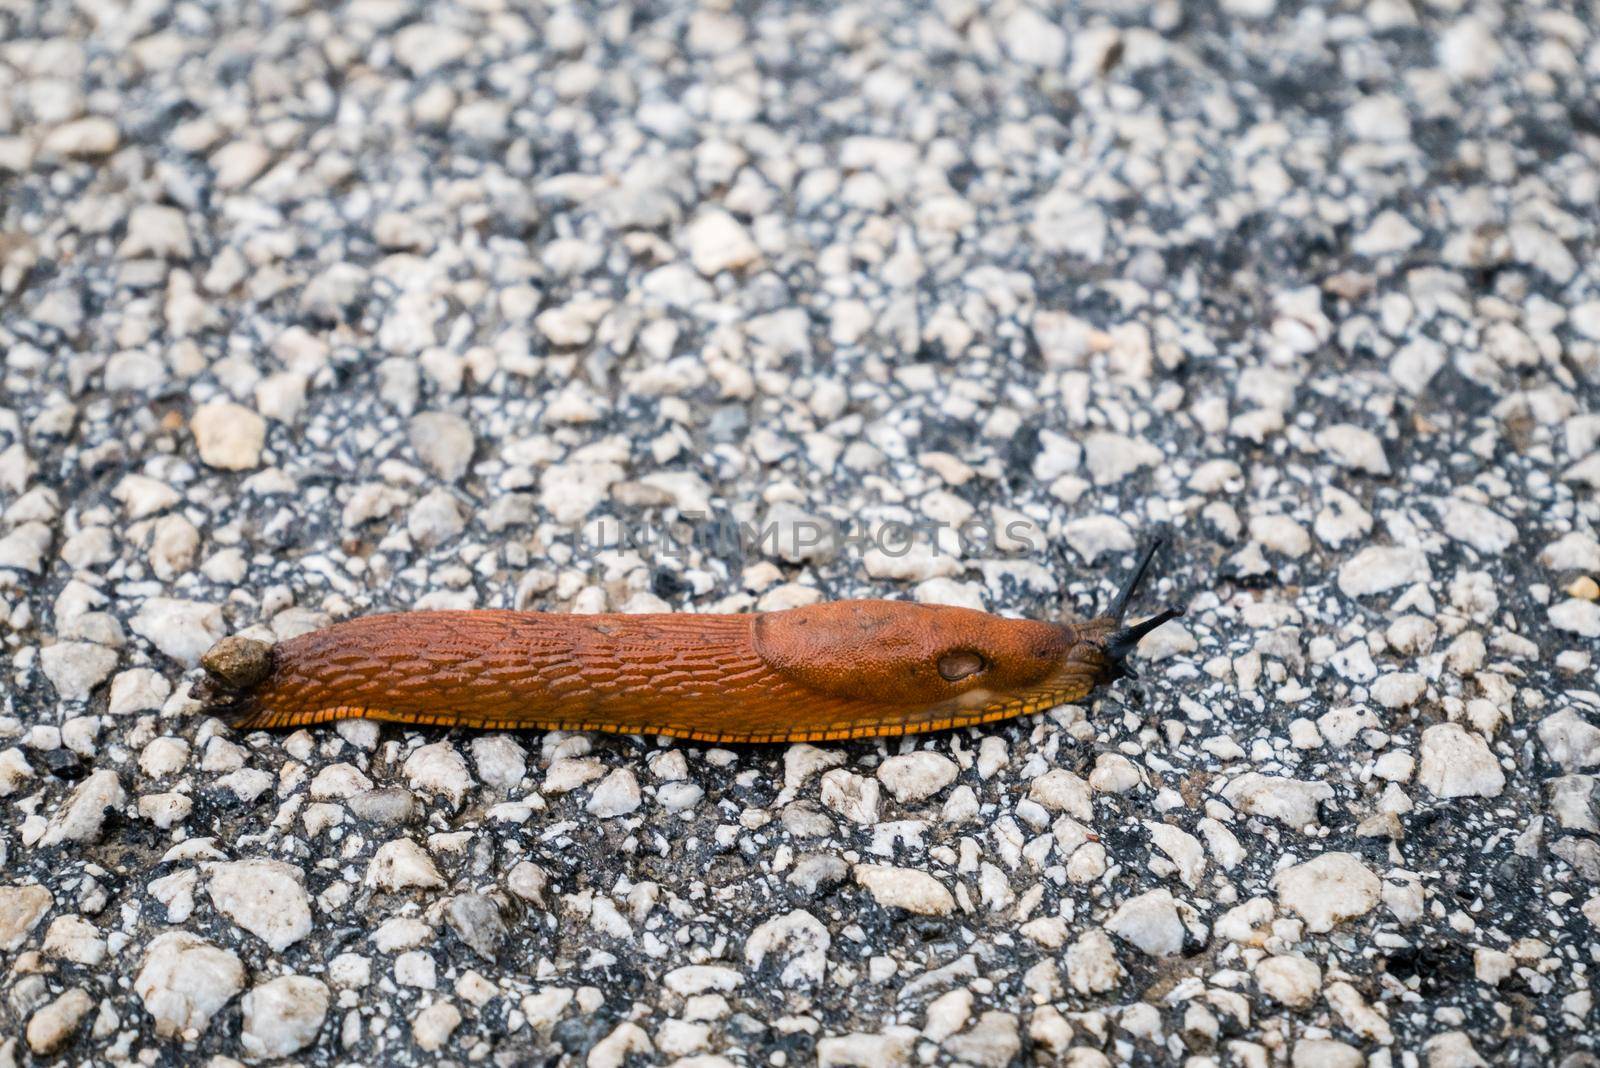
<point>919,663</point>
<point>1116,642</point>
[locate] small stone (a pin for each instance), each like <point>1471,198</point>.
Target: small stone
<point>1476,525</point>
<point>401,865</point>
<point>852,796</point>
<point>1033,39</point>
<point>1572,552</point>
<point>142,496</point>
<point>15,771</point>
<point>24,548</point>
<point>891,1049</point>
<point>1389,233</point>
<point>1183,849</point>
<point>439,769</point>
<point>717,242</point>
<point>75,939</point>
<point>444,442</point>
<point>905,888</point>
<point>338,781</point>
<point>424,47</point>
<point>1292,802</point>
<point>1113,457</point>
<point>1328,889</point>
<point>566,327</point>
<point>1341,518</point>
<point>282,396</point>
<point>1576,616</point>
<point>476,920</point>
<point>53,1026</point>
<point>1292,981</point>
<point>165,810</point>
<point>694,979</point>
<point>916,776</point>
<point>1383,567</point>
<point>1150,922</point>
<point>416,968</point>
<point>1398,689</point>
<point>617,795</point>
<point>163,757</point>
<point>1066,222</point>
<point>1099,535</point>
<point>799,939</point>
<point>283,1016</point>
<point>1341,726</point>
<point>948,1014</point>
<point>84,138</point>
<point>1114,774</point>
<point>75,669</point>
<point>1280,534</point>
<point>801,761</point>
<point>1091,961</point>
<point>1060,455</point>
<point>435,518</point>
<point>1325,1053</point>
<point>1570,741</point>
<point>388,806</point>
<point>182,630</point>
<point>265,897</point>
<point>82,817</point>
<point>1052,1034</point>
<point>21,908</point>
<point>1468,50</point>
<point>1354,447</point>
<point>528,881</point>
<point>1453,1049</point>
<point>1357,1015</point>
<point>184,981</point>
<point>1458,763</point>
<point>1059,790</point>
<point>568,773</point>
<point>501,762</point>
<point>626,1042</point>
<point>993,1042</point>
<point>433,1026</point>
<point>246,784</point>
<point>134,372</point>
<point>173,546</point>
<point>156,230</point>
<point>229,436</point>
<point>238,163</point>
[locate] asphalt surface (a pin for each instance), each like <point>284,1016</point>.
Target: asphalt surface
<point>312,313</point>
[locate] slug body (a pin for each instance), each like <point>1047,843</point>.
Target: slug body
<point>847,669</point>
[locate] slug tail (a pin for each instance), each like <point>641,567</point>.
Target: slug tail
<point>235,668</point>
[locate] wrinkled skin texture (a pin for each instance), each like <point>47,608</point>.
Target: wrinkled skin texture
<point>847,669</point>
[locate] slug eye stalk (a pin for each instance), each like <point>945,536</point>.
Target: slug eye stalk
<point>1122,642</point>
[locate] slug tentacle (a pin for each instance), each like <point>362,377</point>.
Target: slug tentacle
<point>1119,606</point>
<point>1120,643</point>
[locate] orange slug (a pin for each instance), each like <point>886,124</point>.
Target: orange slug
<point>846,669</point>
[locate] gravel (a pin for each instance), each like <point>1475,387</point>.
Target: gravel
<point>309,312</point>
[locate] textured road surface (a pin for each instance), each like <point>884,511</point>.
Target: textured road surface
<point>310,311</point>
